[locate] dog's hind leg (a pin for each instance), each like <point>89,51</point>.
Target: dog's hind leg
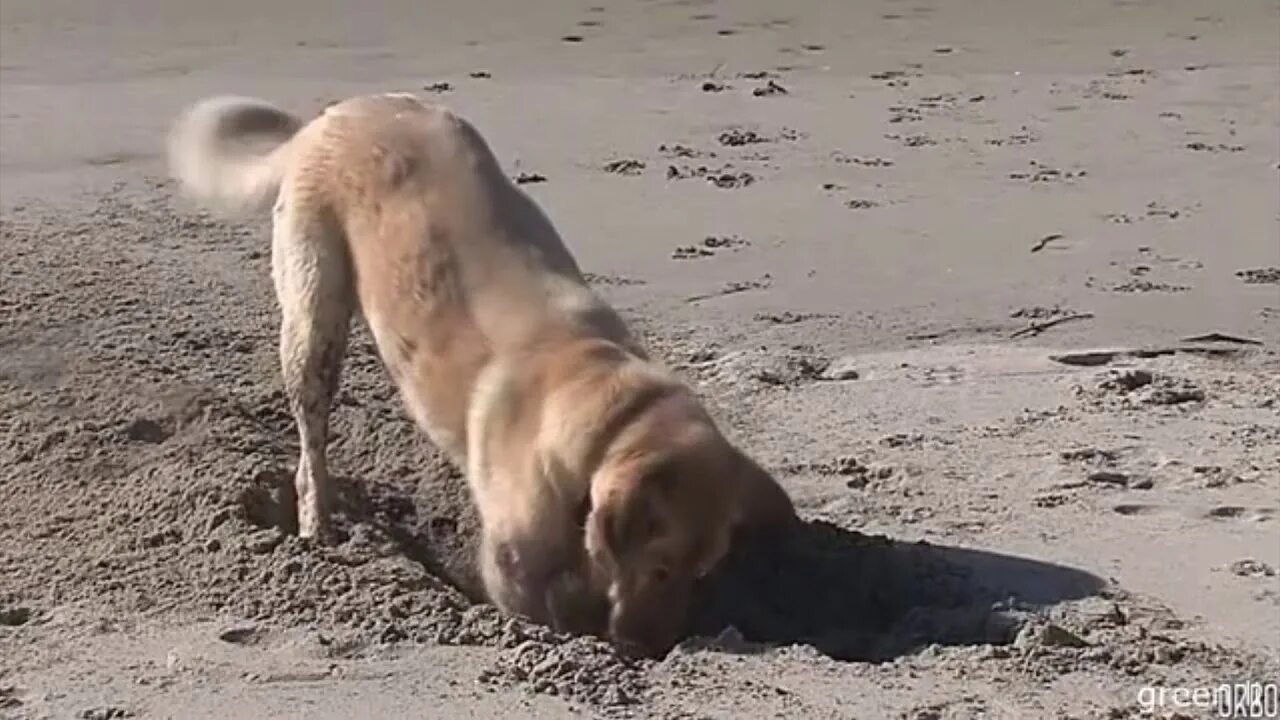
<point>314,287</point>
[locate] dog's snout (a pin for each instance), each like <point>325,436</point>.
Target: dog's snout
<point>636,647</point>
<point>631,648</point>
<point>641,634</point>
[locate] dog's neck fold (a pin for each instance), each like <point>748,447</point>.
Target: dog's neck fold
<point>594,392</point>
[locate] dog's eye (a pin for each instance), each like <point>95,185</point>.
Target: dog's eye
<point>661,574</point>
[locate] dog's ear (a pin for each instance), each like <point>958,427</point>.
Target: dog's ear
<point>619,525</point>
<point>713,550</point>
<point>762,502</point>
<point>601,537</point>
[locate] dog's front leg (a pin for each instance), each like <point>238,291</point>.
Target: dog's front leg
<point>544,579</point>
<point>510,580</point>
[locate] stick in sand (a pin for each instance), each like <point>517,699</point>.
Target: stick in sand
<point>1044,241</point>
<point>1037,328</point>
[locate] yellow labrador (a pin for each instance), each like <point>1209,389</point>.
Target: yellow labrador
<point>596,473</point>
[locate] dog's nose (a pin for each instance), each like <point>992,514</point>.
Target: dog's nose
<point>634,648</point>
<point>648,641</point>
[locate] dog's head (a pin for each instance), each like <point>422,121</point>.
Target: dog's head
<point>664,509</point>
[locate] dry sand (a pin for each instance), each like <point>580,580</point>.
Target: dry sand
<point>835,218</point>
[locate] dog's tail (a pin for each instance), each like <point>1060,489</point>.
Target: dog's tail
<point>229,152</point>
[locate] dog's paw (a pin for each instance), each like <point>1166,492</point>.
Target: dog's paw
<point>318,531</point>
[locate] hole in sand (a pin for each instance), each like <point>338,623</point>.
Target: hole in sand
<point>146,430</point>
<point>869,598</point>
<point>271,502</point>
<point>435,527</point>
<point>15,616</point>
<point>1133,509</point>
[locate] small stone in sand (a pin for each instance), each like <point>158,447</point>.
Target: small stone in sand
<point>1109,477</point>
<point>841,370</point>
<point>239,634</point>
<point>770,88</point>
<point>625,166</point>
<point>1260,276</point>
<point>1047,635</point>
<point>1252,568</point>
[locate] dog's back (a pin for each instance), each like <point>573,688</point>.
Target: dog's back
<point>431,217</point>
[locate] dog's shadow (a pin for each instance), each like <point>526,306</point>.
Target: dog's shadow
<point>870,598</point>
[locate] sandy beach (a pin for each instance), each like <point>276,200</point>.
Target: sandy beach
<point>992,287</point>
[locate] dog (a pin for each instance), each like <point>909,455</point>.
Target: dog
<point>604,489</point>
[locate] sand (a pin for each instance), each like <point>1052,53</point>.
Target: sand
<point>993,287</point>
